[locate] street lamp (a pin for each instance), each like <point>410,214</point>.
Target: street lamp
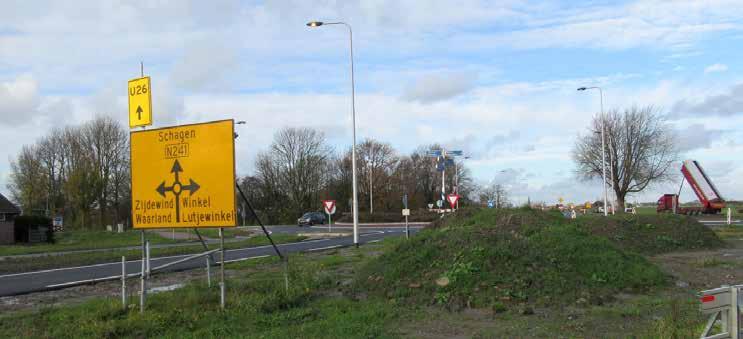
<point>353,115</point>
<point>603,143</point>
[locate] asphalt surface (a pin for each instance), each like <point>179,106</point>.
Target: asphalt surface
<point>44,280</point>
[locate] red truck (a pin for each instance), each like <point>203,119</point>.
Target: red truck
<point>707,193</point>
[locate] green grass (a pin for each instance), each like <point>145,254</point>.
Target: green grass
<point>257,306</point>
<point>651,234</point>
<point>16,265</point>
<point>84,240</point>
<point>318,305</point>
<point>484,257</point>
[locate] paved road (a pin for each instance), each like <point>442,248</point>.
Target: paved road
<point>29,282</point>
<point>720,222</point>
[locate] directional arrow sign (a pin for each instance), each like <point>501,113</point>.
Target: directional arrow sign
<point>329,206</point>
<point>452,199</point>
<point>184,176</point>
<point>140,102</point>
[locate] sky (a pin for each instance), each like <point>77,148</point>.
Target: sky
<point>495,79</point>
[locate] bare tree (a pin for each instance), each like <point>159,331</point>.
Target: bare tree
<point>293,170</point>
<point>376,164</point>
<point>640,148</point>
<point>496,193</point>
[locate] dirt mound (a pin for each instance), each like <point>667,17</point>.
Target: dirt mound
<point>503,259</point>
<point>651,234</point>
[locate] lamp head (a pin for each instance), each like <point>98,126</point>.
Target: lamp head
<point>582,89</point>
<point>314,23</point>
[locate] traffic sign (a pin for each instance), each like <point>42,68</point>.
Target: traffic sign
<point>439,203</point>
<point>184,176</point>
<point>329,206</point>
<point>430,206</point>
<point>491,203</point>
<point>405,212</point>
<point>452,199</point>
<point>140,102</point>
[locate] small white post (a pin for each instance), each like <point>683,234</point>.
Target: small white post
<point>123,282</point>
<point>148,258</point>
<point>733,313</point>
<point>208,273</point>
<point>407,229</point>
<point>730,216</point>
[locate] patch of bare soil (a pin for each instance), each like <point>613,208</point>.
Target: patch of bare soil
<point>80,294</point>
<point>701,270</point>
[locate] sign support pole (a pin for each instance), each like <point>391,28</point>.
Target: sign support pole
<point>123,282</point>
<point>330,222</point>
<point>221,284</point>
<point>208,273</point>
<point>142,279</point>
<point>407,229</point>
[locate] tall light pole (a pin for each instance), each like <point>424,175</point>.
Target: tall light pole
<point>353,119</point>
<point>371,188</point>
<point>603,145</point>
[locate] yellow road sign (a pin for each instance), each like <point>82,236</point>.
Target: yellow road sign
<point>184,176</point>
<point>140,102</point>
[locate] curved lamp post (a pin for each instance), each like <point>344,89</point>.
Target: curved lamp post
<point>353,116</point>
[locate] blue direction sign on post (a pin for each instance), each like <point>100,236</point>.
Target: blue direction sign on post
<point>491,203</point>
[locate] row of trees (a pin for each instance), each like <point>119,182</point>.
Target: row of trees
<point>81,172</point>
<point>299,170</point>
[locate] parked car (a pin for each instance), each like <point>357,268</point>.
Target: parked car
<point>311,218</point>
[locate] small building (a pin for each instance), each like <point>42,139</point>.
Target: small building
<point>8,212</point>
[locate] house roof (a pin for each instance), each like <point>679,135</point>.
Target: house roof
<point>8,207</point>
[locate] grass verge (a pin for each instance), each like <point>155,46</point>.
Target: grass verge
<point>257,306</point>
<point>84,240</point>
<point>16,265</point>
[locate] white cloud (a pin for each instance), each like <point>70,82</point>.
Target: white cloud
<point>715,68</point>
<point>438,87</point>
<point>19,100</point>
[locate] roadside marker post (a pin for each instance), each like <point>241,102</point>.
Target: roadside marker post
<point>730,216</point>
<point>123,282</point>
<point>406,213</point>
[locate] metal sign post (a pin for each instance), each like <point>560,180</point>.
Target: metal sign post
<point>406,213</point>
<point>221,284</point>
<point>123,282</point>
<point>142,279</point>
<point>329,207</point>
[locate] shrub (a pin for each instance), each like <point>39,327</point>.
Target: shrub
<point>25,224</point>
